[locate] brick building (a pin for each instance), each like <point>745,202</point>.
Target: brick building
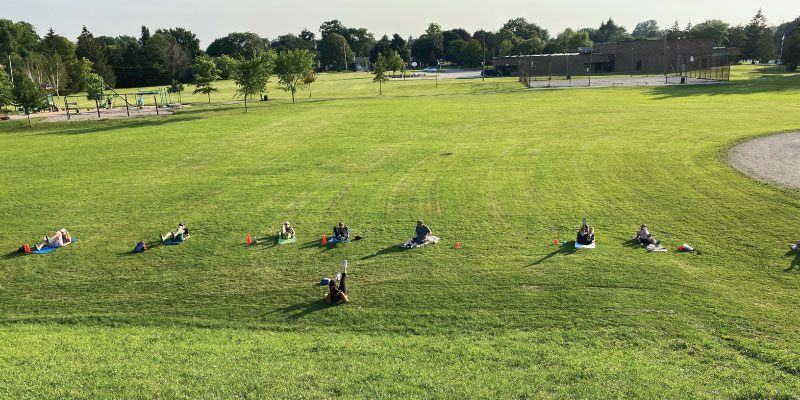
<point>640,56</point>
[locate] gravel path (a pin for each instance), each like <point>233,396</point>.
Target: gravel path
<point>773,158</point>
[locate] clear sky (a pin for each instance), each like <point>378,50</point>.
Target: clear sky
<point>270,18</point>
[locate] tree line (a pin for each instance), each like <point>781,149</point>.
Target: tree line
<point>61,65</point>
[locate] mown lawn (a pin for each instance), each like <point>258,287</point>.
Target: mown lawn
<point>504,172</point>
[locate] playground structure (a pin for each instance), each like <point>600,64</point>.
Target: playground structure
<point>162,98</point>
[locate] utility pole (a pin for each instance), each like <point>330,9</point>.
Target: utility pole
<point>780,57</point>
<point>344,55</point>
<point>11,69</point>
<point>665,57</point>
<point>483,77</point>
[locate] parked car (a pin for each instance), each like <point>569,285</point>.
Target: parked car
<point>429,69</point>
<point>490,72</point>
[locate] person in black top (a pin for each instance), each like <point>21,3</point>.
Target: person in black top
<point>341,232</point>
<point>585,235</point>
<point>338,293</point>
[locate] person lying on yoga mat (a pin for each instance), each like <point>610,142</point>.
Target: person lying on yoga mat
<point>337,293</point>
<point>59,239</point>
<point>287,232</point>
<point>645,237</point>
<point>585,235</point>
<point>341,232</point>
<point>422,235</point>
<point>179,235</point>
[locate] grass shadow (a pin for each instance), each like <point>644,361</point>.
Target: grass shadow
<point>388,250</point>
<point>768,83</point>
<point>632,243</point>
<point>565,249</point>
<point>111,125</point>
<point>794,263</point>
<point>13,255</point>
<point>300,310</point>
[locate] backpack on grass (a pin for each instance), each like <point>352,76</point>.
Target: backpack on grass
<point>140,247</point>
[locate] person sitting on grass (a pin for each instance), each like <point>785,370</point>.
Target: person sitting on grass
<point>338,293</point>
<point>287,232</point>
<point>645,238</point>
<point>422,235</point>
<point>59,239</point>
<point>797,245</point>
<point>585,235</point>
<point>179,235</point>
<point>341,232</point>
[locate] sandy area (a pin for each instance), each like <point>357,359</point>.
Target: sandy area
<point>61,116</point>
<point>773,158</point>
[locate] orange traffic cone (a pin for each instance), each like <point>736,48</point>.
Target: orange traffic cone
<point>324,241</point>
<point>556,241</point>
<point>458,245</point>
<point>248,239</point>
<point>27,249</point>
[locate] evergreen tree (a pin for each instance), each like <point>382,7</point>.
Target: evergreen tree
<point>758,39</point>
<point>89,48</point>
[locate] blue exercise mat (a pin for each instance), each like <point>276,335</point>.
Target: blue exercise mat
<point>172,242</point>
<point>47,249</point>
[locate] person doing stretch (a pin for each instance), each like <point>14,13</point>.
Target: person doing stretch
<point>59,239</point>
<point>338,293</point>
<point>287,232</point>
<point>585,235</point>
<point>645,237</point>
<point>422,231</point>
<point>179,235</point>
<point>341,232</point>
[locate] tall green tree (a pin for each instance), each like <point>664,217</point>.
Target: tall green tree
<point>16,38</point>
<point>237,45</point>
<point>293,68</point>
<point>400,46</point>
<point>27,94</point>
<point>471,54</point>
<point>647,30</point>
<point>95,90</point>
<point>60,61</point>
<point>6,89</point>
<point>334,50</point>
<point>523,29</point>
<point>714,29</point>
<point>89,48</point>
<point>379,69</point>
<point>758,39</point>
<point>251,76</point>
<point>205,74</point>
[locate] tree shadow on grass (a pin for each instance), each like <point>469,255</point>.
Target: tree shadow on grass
<point>633,243</point>
<point>565,249</point>
<point>388,250</point>
<point>763,84</point>
<point>796,262</point>
<point>112,126</point>
<point>300,310</point>
<point>13,255</point>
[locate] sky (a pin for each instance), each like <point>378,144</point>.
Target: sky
<point>269,18</point>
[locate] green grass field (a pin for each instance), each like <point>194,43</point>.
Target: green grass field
<point>502,171</point>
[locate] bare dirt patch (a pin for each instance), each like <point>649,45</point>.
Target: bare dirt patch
<point>773,158</point>
<point>91,114</point>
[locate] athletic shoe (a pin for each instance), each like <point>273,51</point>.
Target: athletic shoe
<point>658,243</point>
